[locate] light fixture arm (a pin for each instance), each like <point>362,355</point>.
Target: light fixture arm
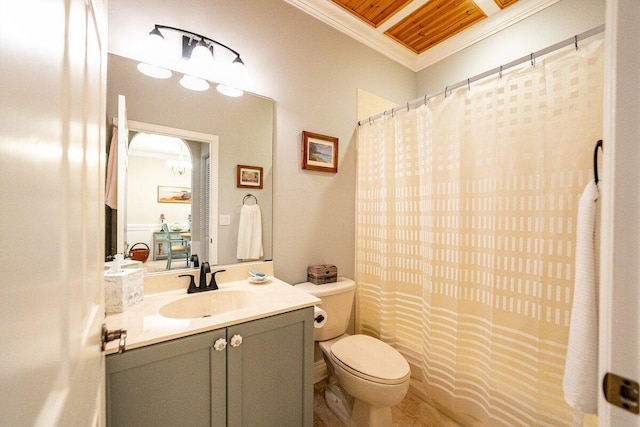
<point>231,76</point>
<point>194,35</point>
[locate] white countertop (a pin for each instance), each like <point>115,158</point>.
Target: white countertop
<point>146,326</point>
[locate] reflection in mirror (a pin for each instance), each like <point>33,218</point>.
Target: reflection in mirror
<point>171,197</point>
<point>159,199</point>
<point>243,128</point>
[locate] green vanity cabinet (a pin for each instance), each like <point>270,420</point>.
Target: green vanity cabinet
<point>262,379</point>
<point>270,376</point>
<point>175,383</point>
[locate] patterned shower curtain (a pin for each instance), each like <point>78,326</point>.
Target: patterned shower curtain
<point>466,221</point>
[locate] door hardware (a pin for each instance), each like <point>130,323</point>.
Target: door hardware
<point>621,392</point>
<point>108,336</point>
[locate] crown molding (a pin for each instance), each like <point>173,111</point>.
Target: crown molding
<point>343,21</point>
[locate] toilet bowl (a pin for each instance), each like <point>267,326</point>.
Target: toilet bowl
<point>371,372</point>
<point>366,376</point>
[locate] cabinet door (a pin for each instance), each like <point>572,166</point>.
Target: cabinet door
<point>270,378</point>
<point>176,383</point>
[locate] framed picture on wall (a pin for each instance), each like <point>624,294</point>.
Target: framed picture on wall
<point>249,176</point>
<point>169,194</point>
<point>319,152</point>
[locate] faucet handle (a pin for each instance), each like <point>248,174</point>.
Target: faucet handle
<point>192,283</point>
<point>212,284</point>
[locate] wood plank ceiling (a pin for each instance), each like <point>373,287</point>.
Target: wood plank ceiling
<point>419,33</point>
<point>425,27</point>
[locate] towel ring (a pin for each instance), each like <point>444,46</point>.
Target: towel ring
<point>595,159</point>
<point>244,199</point>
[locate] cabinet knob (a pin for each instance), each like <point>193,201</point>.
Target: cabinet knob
<point>236,340</point>
<point>220,344</point>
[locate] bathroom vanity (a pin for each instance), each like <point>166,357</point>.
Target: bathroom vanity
<point>246,366</point>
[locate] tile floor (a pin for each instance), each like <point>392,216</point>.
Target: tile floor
<point>411,412</point>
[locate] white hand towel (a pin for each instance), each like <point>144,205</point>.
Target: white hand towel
<point>580,382</point>
<point>250,233</point>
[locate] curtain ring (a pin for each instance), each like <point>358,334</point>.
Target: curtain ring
<point>469,85</point>
<point>425,100</point>
<point>407,107</point>
<point>533,60</point>
<point>446,89</point>
<point>500,72</point>
<point>575,38</point>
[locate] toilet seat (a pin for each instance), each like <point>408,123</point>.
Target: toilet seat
<point>371,359</point>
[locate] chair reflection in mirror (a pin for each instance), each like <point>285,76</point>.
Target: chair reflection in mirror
<point>178,245</point>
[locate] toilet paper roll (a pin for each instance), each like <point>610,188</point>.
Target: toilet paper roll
<point>319,317</point>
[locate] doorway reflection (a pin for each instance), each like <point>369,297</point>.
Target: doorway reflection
<point>159,195</point>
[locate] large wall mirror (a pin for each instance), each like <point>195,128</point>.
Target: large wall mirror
<point>243,130</point>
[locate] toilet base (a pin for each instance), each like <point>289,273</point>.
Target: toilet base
<point>354,412</point>
<point>338,401</point>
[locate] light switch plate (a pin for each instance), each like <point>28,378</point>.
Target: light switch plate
<point>225,219</point>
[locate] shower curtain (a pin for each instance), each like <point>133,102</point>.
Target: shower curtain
<point>466,220</point>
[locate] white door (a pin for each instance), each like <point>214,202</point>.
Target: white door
<point>52,156</point>
<point>620,238</point>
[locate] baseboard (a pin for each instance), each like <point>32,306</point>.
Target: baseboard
<point>319,371</point>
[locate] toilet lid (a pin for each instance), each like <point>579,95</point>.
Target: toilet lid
<point>370,358</point>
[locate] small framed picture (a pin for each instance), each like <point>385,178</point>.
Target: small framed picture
<point>169,194</point>
<point>319,152</point>
<point>249,176</point>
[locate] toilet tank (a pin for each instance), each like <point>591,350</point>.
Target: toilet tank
<point>337,301</point>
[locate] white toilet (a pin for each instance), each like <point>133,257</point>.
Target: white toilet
<point>366,376</point>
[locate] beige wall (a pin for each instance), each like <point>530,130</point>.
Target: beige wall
<point>312,72</point>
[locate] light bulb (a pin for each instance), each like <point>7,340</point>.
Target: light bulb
<point>155,43</point>
<point>154,71</point>
<point>154,55</point>
<point>194,83</point>
<point>229,91</point>
<point>202,61</point>
<point>239,73</point>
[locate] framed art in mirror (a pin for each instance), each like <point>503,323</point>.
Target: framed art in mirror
<point>319,152</point>
<point>169,194</point>
<point>249,176</point>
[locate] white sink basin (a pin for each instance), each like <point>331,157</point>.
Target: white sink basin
<point>208,303</point>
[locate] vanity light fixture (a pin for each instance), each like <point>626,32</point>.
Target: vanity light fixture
<point>207,61</point>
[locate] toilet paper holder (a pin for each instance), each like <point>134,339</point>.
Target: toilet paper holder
<point>319,317</point>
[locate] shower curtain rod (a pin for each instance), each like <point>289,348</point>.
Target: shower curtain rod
<point>498,70</point>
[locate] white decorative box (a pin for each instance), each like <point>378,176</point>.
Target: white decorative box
<point>123,290</point>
